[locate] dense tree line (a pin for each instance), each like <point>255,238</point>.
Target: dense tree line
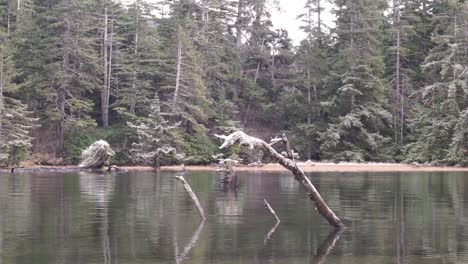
<point>388,82</point>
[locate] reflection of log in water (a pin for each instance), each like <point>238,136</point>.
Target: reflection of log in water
<point>270,233</point>
<point>191,244</point>
<point>327,246</point>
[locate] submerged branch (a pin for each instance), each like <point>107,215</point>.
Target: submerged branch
<point>271,210</point>
<point>278,221</point>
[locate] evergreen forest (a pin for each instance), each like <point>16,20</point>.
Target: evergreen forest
<point>388,82</point>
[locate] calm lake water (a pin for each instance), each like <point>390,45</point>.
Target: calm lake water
<point>149,218</point>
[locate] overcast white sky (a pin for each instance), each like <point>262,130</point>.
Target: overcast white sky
<point>286,18</point>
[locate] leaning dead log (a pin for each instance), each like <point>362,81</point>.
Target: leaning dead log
<point>192,195</point>
<point>96,155</point>
<point>252,142</point>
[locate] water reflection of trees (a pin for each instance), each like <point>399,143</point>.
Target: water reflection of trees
<point>99,188</point>
<point>405,218</point>
<point>15,211</point>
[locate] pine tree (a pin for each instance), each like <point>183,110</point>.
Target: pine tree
<point>137,60</point>
<point>156,141</point>
<point>440,121</point>
<point>313,65</point>
<point>359,121</point>
<point>72,68</point>
<point>15,123</point>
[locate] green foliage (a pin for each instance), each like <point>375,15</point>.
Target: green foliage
<point>198,148</point>
<point>116,135</point>
<point>439,124</point>
<point>75,143</point>
<point>156,143</point>
<point>218,65</point>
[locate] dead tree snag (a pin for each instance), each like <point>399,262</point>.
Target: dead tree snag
<point>252,142</point>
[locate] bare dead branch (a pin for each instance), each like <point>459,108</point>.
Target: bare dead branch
<point>192,195</point>
<point>275,141</point>
<point>271,210</point>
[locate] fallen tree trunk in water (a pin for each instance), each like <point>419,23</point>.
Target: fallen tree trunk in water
<point>252,142</point>
<point>192,195</point>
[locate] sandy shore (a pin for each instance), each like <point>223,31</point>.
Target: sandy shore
<point>319,167</point>
<point>307,167</point>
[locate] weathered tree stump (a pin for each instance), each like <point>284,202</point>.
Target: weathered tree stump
<point>96,155</point>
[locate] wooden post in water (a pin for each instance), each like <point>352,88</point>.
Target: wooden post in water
<point>252,142</point>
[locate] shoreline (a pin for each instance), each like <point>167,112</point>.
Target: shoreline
<point>326,167</point>
<point>306,167</point>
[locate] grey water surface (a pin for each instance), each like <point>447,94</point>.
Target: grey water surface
<point>149,218</point>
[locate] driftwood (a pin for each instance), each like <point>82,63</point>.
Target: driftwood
<point>245,140</point>
<point>278,221</point>
<point>192,195</point>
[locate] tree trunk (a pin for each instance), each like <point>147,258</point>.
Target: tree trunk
<point>61,125</point>
<point>8,17</point>
<point>105,89</point>
<point>109,73</point>
<point>314,195</point>
<point>319,22</point>
<point>179,64</point>
<point>351,58</point>
<point>1,96</point>
<point>257,71</point>
<point>309,147</point>
<point>135,62</point>
<point>399,93</point>
<point>240,7</point>
<point>61,100</point>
